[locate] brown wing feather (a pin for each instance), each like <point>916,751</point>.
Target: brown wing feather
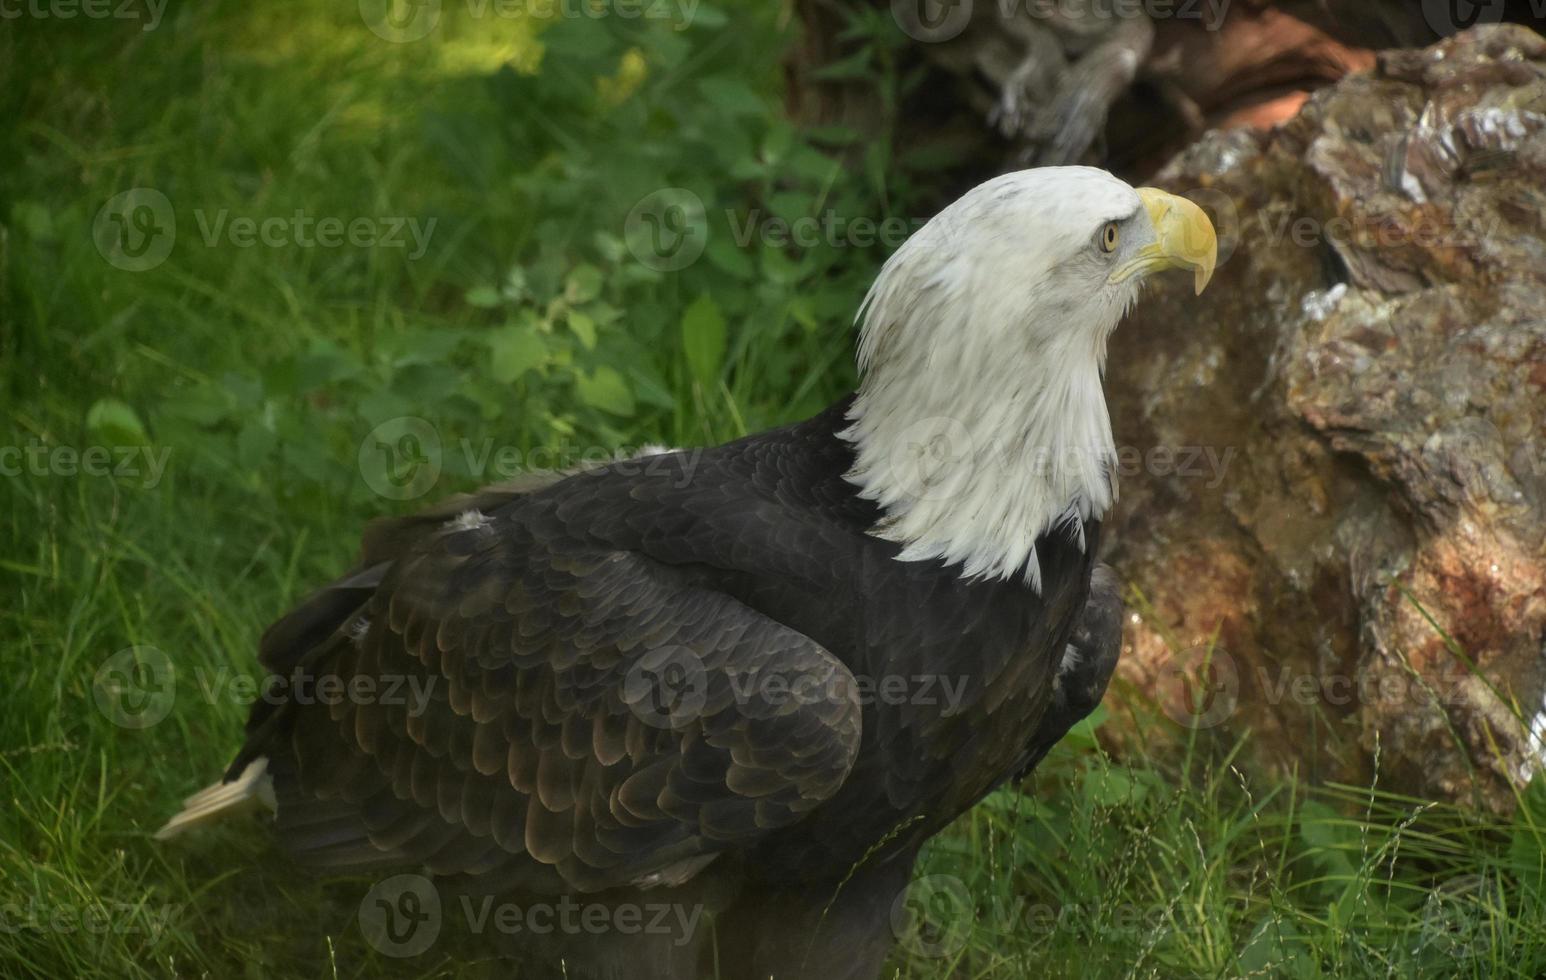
<point>532,753</point>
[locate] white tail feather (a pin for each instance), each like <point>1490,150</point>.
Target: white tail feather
<point>252,787</point>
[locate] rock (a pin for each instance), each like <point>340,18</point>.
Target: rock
<point>1367,550</point>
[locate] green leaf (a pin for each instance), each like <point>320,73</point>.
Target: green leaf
<point>747,168</point>
<point>709,18</point>
<point>254,444</point>
<point>777,141</point>
<point>516,349</point>
<point>378,406</point>
<point>1113,787</point>
<point>323,365</point>
<point>1275,948</point>
<point>307,457</point>
<point>422,384</point>
<point>800,311</point>
<point>835,135</point>
<point>205,405</point>
<point>611,247</point>
<point>584,328</point>
<point>856,65</point>
<point>727,256</point>
<point>484,297</point>
<point>650,388</point>
<point>605,389</point>
<point>812,165</point>
<point>34,219</point>
<point>515,288</point>
<point>602,313</point>
<point>583,285</point>
<point>780,269</point>
<point>732,96</point>
<point>116,423</point>
<point>791,205</point>
<point>246,390</point>
<point>703,339</point>
<point>426,346</point>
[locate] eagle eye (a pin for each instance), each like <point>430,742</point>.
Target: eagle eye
<point>1110,238</point>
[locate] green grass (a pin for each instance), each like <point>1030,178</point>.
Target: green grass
<point>525,321</point>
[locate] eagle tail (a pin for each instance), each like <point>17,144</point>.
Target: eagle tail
<point>253,787</point>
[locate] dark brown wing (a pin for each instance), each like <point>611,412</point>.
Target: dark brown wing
<point>1088,663</point>
<point>563,716</point>
<point>309,624</point>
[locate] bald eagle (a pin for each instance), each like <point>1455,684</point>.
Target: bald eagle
<point>752,679</point>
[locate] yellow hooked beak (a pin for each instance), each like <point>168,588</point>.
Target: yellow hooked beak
<point>1183,239</point>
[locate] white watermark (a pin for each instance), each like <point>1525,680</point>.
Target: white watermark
<point>403,458</point>
<point>138,686</point>
<point>135,230</point>
<point>1201,687</point>
<point>96,918</point>
<point>149,12</point>
<point>303,230</point>
<point>402,916</point>
<point>142,464</point>
<point>668,687</point>
<point>934,916</point>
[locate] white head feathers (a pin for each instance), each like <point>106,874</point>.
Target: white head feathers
<point>980,423</point>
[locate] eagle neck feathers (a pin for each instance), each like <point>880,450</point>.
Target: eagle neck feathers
<point>975,434</point>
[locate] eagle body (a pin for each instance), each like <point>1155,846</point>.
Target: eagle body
<point>911,691</point>
<point>752,679</point>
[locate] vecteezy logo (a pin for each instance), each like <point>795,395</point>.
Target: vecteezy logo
<point>928,452</point>
<point>933,916</point>
<point>400,458</point>
<point>931,21</point>
<point>667,230</point>
<point>1199,688</point>
<point>134,231</point>
<point>1223,215</point>
<point>135,687</point>
<point>1448,17</point>
<point>667,687</point>
<point>401,916</point>
<point>400,21</point>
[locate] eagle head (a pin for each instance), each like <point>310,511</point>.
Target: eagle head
<point>980,422</point>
